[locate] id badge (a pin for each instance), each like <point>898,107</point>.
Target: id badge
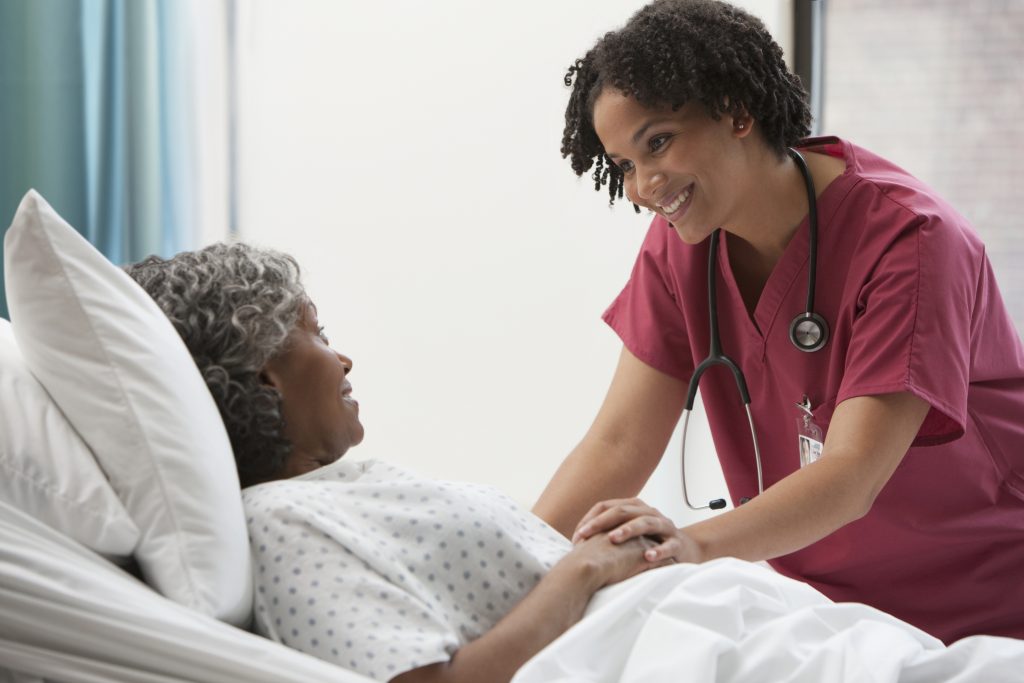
<point>810,439</point>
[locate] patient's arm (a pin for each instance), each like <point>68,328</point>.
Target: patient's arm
<point>555,604</point>
<point>621,448</point>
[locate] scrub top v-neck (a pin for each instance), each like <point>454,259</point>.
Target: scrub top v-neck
<point>784,277</point>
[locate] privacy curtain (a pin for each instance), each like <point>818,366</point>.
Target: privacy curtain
<point>98,112</point>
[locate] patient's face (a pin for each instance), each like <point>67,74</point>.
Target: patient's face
<point>321,418</point>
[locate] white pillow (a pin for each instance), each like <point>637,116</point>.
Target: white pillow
<point>47,470</point>
<point>123,378</point>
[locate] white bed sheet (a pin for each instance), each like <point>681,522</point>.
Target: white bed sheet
<point>68,615</point>
<point>732,621</point>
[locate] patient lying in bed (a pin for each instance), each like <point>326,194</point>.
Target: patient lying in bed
<point>361,563</point>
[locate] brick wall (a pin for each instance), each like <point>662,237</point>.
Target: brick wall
<point>937,86</point>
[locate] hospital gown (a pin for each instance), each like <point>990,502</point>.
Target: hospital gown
<point>379,571</point>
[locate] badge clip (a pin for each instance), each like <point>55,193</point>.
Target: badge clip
<point>810,438</point>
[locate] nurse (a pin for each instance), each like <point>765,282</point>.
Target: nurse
<point>916,503</point>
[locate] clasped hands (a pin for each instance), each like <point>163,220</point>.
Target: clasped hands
<point>628,518</point>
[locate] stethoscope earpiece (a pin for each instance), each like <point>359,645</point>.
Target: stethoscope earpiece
<point>808,332</point>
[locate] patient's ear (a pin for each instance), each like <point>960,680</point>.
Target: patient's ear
<point>269,376</point>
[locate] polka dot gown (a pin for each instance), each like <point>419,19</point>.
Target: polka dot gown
<point>368,566</point>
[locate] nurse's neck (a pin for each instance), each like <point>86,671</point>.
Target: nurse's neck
<point>774,206</point>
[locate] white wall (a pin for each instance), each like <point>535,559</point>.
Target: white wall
<point>407,153</point>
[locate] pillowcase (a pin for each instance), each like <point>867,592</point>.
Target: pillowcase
<point>47,471</point>
<point>124,379</point>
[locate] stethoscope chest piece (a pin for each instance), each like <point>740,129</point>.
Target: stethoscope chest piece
<point>808,332</point>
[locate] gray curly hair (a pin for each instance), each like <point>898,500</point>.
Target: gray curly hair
<point>234,305</point>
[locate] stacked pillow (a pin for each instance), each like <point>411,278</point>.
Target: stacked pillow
<point>45,467</point>
<point>124,380</point>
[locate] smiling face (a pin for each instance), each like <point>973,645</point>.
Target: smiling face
<point>321,419</point>
<point>681,164</point>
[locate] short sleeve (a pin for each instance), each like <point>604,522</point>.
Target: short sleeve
<point>647,315</point>
<point>321,589</point>
<point>912,326</point>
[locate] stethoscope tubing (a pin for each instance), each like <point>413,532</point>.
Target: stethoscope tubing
<point>808,325</point>
<point>716,357</point>
<point>812,221</point>
<point>718,503</point>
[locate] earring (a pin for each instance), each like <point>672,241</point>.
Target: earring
<point>740,126</point>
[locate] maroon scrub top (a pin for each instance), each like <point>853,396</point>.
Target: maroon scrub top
<point>910,297</point>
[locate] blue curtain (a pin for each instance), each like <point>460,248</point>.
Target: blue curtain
<point>95,113</point>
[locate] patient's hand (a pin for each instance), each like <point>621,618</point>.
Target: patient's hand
<point>606,562</point>
<point>631,518</point>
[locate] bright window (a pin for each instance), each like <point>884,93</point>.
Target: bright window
<point>937,86</point>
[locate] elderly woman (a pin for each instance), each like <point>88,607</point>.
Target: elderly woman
<point>361,563</point>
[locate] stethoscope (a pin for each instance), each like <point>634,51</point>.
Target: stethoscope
<point>808,332</point>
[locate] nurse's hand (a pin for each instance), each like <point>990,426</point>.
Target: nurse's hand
<point>596,562</point>
<point>628,518</point>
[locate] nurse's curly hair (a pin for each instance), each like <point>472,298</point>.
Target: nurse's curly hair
<point>673,52</point>
<point>234,306</point>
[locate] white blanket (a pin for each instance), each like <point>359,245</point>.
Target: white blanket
<point>729,620</point>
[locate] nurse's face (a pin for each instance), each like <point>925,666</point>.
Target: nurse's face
<point>681,164</point>
<point>321,419</point>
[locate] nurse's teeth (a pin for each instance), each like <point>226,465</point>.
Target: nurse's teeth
<point>674,206</point>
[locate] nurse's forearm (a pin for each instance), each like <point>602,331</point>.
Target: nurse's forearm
<point>867,439</point>
<point>593,471</point>
<point>621,448</point>
<point>800,510</point>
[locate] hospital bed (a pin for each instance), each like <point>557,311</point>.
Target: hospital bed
<point>124,556</point>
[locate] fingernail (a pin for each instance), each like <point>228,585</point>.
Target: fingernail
<point>651,555</point>
<point>615,535</point>
<point>583,532</point>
